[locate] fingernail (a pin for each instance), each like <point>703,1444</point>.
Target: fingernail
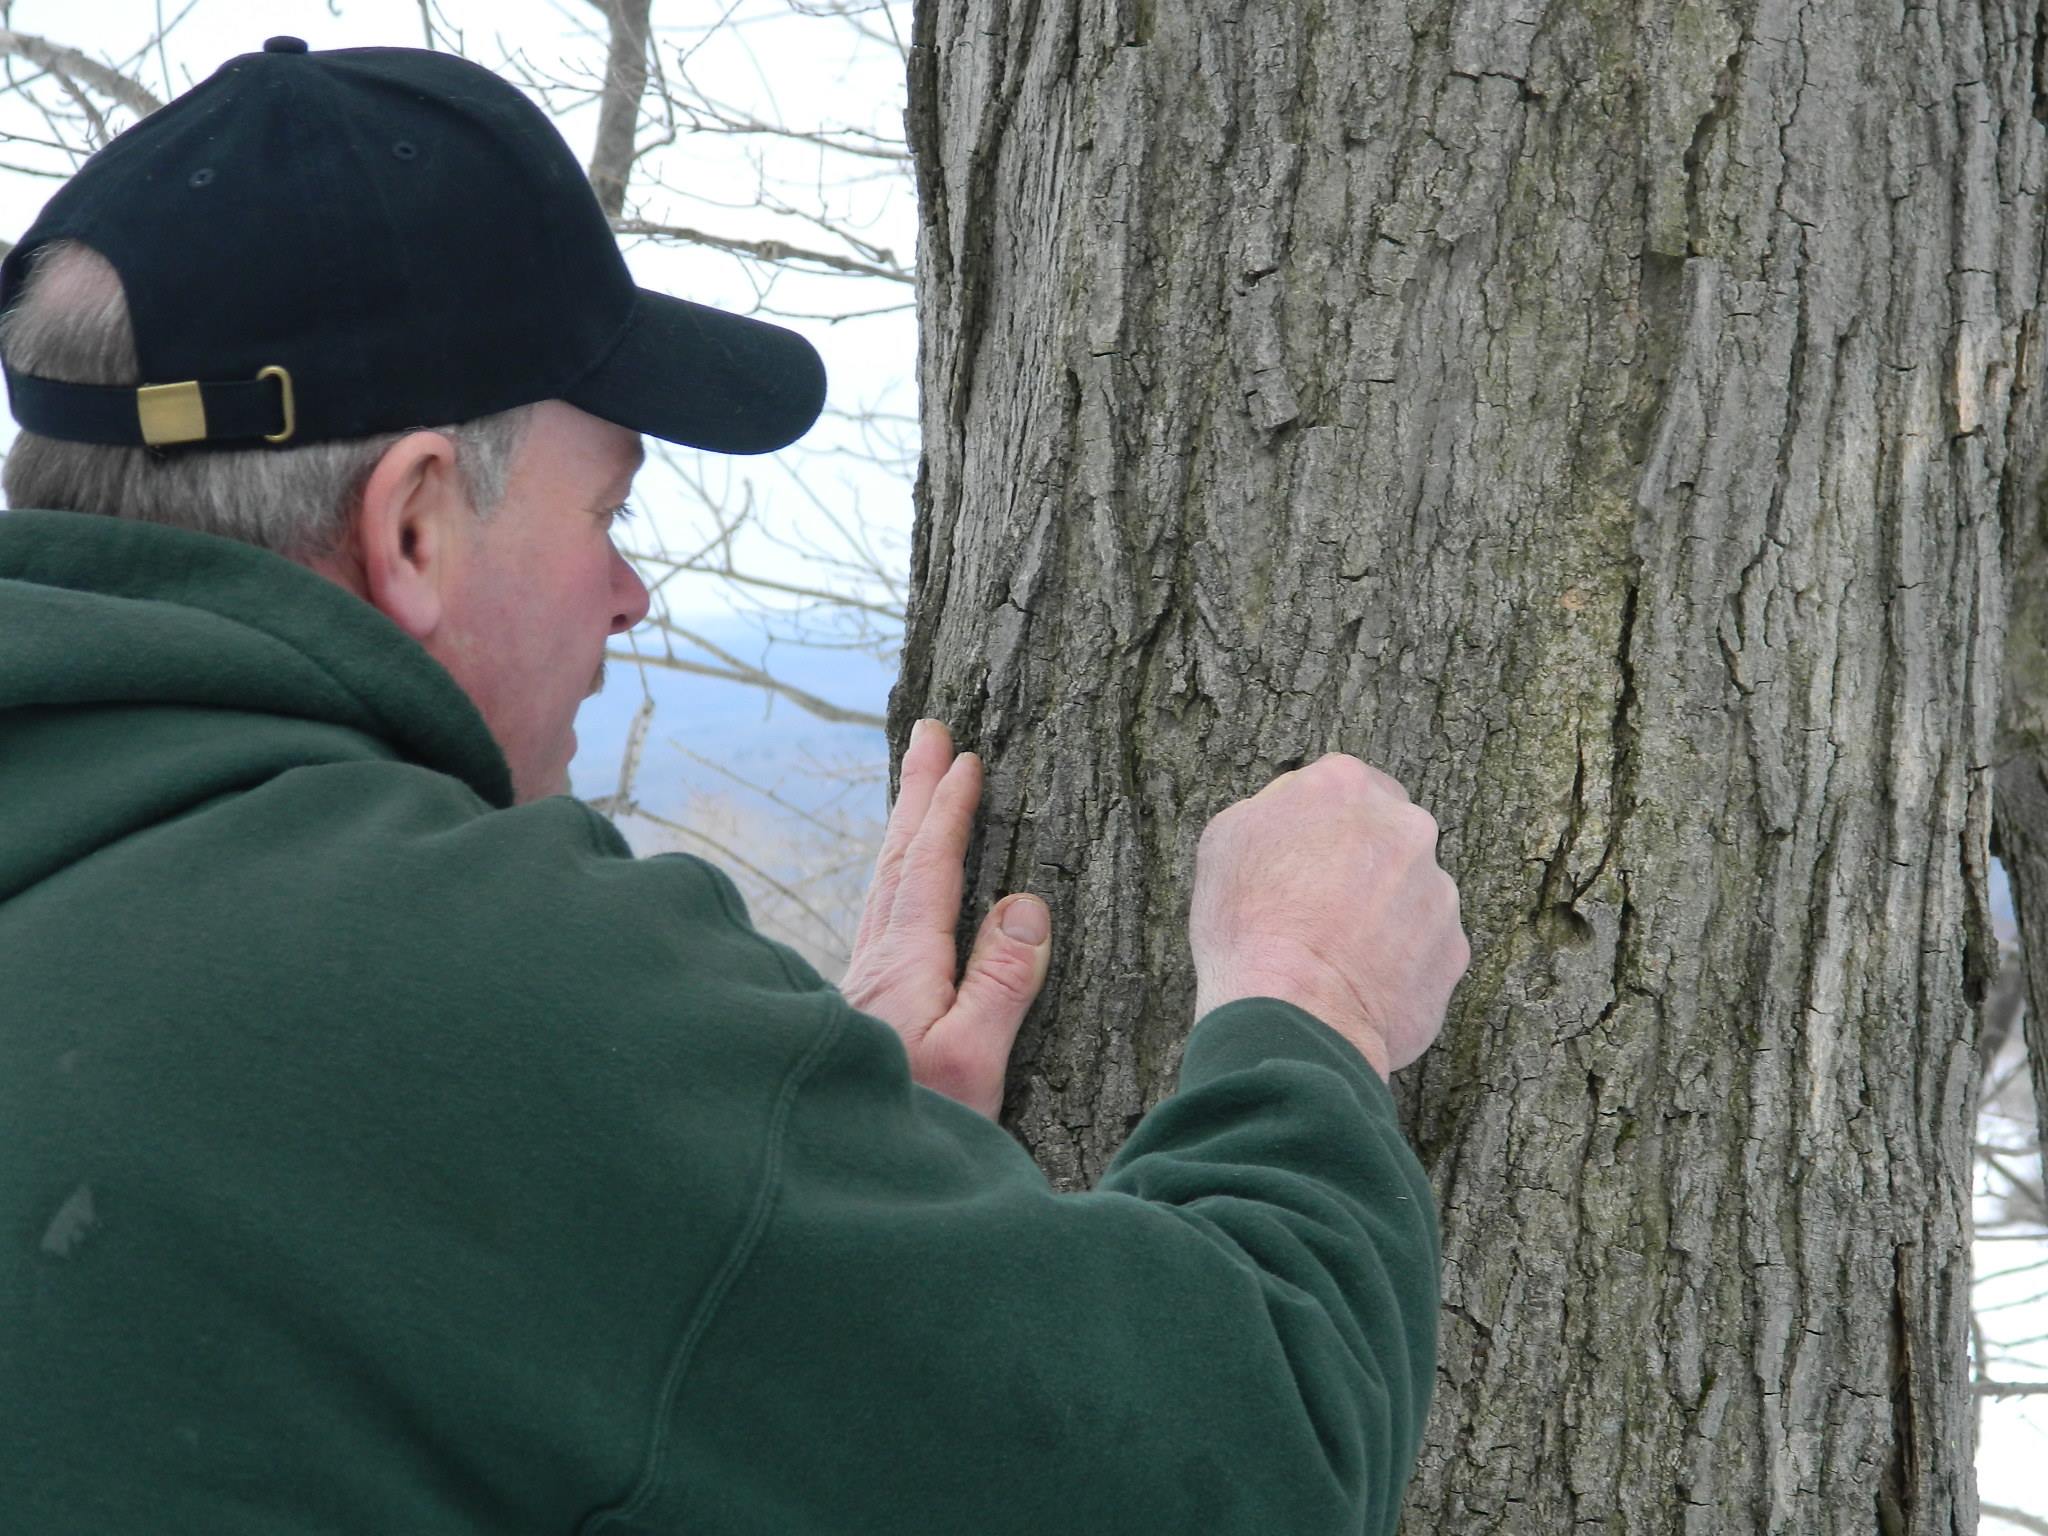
<point>1027,920</point>
<point>918,730</point>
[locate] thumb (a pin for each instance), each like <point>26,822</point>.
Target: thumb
<point>1003,974</point>
<point>1001,981</point>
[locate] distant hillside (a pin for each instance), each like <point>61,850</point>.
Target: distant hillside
<point>751,731</point>
<point>799,834</point>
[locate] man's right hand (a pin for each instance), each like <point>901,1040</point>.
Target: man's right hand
<point>1323,890</point>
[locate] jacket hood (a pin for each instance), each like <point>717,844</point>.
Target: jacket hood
<point>123,643</point>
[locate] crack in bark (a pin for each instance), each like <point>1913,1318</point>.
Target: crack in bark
<point>1011,65</point>
<point>2039,72</point>
<point>1898,1487</point>
<point>1702,137</point>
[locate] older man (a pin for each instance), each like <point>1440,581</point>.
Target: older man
<point>382,1147</point>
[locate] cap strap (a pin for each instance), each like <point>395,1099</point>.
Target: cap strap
<point>156,415</point>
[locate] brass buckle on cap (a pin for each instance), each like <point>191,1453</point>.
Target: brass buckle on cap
<point>291,410</point>
<point>171,413</point>
<point>176,413</point>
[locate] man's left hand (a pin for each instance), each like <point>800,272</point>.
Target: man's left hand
<point>902,971</point>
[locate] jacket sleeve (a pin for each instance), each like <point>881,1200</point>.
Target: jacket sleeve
<point>1235,1332</point>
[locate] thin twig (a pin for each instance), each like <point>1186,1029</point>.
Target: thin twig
<point>163,59</point>
<point>767,794</point>
<point>761,250</point>
<point>753,676</point>
<point>725,572</point>
<point>2018,1517</point>
<point>2017,1269</point>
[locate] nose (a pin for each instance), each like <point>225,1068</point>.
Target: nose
<point>629,592</point>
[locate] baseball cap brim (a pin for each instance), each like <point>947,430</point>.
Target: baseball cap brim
<point>705,378</point>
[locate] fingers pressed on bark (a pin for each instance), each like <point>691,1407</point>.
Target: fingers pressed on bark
<point>925,762</point>
<point>929,888</point>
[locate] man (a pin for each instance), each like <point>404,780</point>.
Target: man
<point>382,1147</point>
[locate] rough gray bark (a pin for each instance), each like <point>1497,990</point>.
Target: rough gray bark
<point>1599,416</point>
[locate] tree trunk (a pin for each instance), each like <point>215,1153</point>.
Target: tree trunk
<point>1599,417</point>
<point>618,115</point>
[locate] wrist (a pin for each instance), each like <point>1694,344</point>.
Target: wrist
<point>1344,1018</point>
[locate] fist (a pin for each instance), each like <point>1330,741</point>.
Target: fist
<point>1323,890</point>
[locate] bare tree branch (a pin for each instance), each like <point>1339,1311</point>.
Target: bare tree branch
<point>70,64</point>
<point>618,115</point>
<point>96,132</point>
<point>786,806</point>
<point>163,58</point>
<point>434,23</point>
<point>155,45</point>
<point>2018,1517</point>
<point>740,672</point>
<point>869,146</point>
<point>636,743</point>
<point>725,572</point>
<point>763,250</point>
<point>56,140</point>
<point>881,255</point>
<point>2016,1269</point>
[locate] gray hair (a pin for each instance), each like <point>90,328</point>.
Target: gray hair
<point>72,324</point>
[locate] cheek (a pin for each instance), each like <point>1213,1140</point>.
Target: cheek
<point>580,617</point>
<point>551,634</point>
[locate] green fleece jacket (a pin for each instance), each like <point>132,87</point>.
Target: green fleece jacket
<point>377,1157</point>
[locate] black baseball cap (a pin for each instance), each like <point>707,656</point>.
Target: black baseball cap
<point>334,244</point>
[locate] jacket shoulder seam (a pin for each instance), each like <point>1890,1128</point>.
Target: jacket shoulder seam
<point>649,1482</point>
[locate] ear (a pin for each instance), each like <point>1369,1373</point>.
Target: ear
<point>410,531</point>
